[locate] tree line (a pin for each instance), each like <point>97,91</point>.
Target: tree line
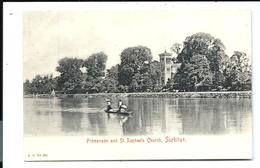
<point>204,66</point>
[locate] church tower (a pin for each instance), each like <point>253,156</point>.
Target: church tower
<point>169,66</point>
<point>166,63</point>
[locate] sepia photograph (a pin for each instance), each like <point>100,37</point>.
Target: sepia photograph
<point>150,84</point>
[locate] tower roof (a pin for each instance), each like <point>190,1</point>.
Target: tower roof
<point>165,53</point>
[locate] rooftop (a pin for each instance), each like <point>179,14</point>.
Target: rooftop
<point>165,53</point>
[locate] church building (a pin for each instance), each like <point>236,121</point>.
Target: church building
<point>169,66</point>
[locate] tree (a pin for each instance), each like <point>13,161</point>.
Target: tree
<point>122,89</point>
<point>238,72</point>
<point>27,87</point>
<point>155,69</point>
<point>135,61</point>
<point>111,80</point>
<point>176,47</point>
<point>41,84</point>
<point>195,75</point>
<point>112,73</point>
<point>141,83</point>
<point>95,85</point>
<point>210,47</point>
<point>71,77</point>
<point>217,58</point>
<point>96,64</point>
<point>94,77</point>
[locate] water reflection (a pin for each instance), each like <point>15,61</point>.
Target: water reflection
<point>213,116</point>
<point>151,116</point>
<point>70,121</point>
<point>97,124</point>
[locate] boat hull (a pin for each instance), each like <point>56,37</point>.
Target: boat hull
<point>117,112</point>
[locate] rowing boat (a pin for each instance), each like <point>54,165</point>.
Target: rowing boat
<point>115,111</point>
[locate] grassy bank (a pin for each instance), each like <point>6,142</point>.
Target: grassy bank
<point>237,94</point>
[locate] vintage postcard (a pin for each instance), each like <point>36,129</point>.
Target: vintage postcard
<point>149,84</point>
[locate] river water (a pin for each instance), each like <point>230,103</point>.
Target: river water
<point>151,116</point>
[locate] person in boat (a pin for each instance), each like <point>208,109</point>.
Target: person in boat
<point>109,105</point>
<point>121,106</point>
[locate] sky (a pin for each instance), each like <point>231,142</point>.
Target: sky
<point>51,35</point>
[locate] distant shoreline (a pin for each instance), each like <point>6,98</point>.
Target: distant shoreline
<point>227,94</point>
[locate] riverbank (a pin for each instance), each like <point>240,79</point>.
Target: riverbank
<point>236,94</point>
